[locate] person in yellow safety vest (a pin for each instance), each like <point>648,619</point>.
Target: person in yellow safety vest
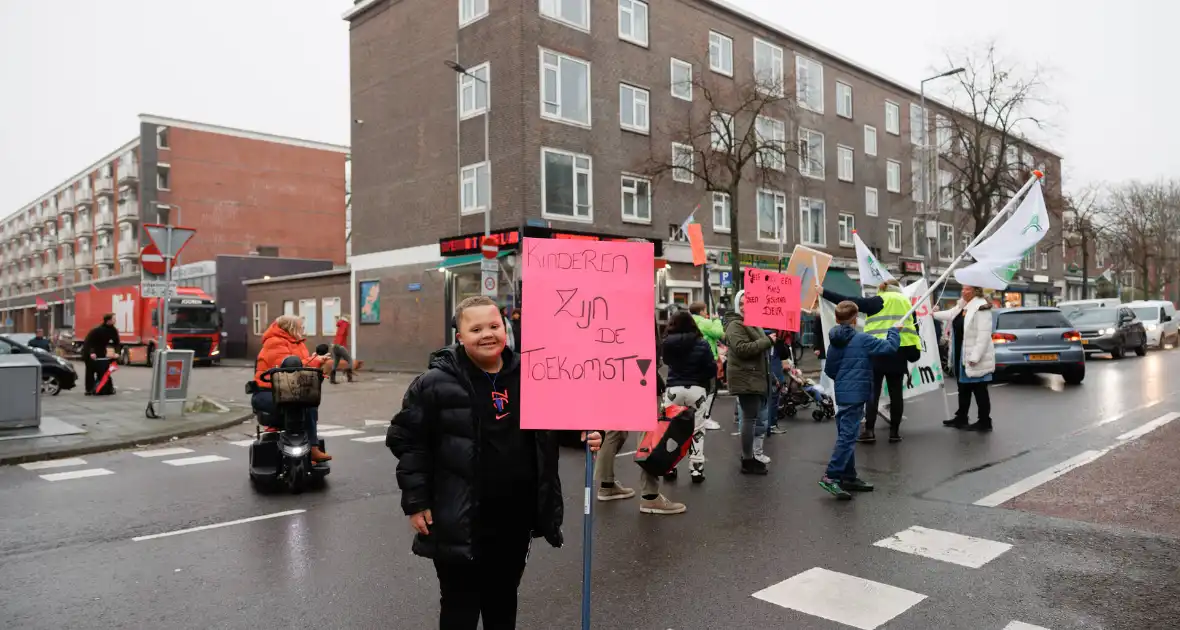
<point>881,313</point>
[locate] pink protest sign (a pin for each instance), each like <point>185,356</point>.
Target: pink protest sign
<point>772,300</point>
<point>588,338</point>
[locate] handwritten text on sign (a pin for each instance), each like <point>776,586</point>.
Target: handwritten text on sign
<point>772,300</point>
<point>588,336</point>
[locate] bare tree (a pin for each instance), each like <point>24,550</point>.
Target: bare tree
<point>1083,226</point>
<point>1143,223</point>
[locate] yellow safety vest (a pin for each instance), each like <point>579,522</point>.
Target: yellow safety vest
<point>896,306</point>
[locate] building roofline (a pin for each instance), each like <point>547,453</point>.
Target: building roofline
<point>359,8</point>
<point>243,133</point>
<point>73,179</point>
<point>343,271</point>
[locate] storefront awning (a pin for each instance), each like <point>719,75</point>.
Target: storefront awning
<point>838,281</point>
<point>470,259</point>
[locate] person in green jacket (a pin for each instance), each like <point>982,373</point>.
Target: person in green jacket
<point>713,331</point>
<point>748,376</point>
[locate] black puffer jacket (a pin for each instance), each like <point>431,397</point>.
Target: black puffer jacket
<point>436,439</point>
<point>689,360</point>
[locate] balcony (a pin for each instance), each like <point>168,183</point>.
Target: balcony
<point>83,227</point>
<point>104,221</point>
<point>128,209</point>
<point>83,260</point>
<point>65,266</point>
<point>65,233</point>
<point>65,203</point>
<point>51,282</point>
<point>84,275</point>
<point>104,186</point>
<point>50,240</point>
<point>104,255</point>
<point>127,173</point>
<point>128,249</point>
<point>83,196</point>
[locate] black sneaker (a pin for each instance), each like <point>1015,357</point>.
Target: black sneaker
<point>671,475</point>
<point>867,437</point>
<point>979,426</point>
<point>833,487</point>
<point>698,474</point>
<point>754,467</point>
<point>954,423</point>
<point>856,485</point>
<point>894,436</point>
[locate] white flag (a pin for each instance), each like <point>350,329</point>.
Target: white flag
<point>872,272</point>
<point>998,256</point>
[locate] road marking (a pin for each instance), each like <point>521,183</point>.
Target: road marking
<point>338,433</point>
<point>966,551</point>
<point>625,454</point>
<point>1020,625</point>
<point>242,442</point>
<point>217,525</point>
<point>1120,416</point>
<point>369,439</point>
<point>328,427</point>
<point>1032,481</point>
<point>163,452</point>
<point>201,459</point>
<point>77,474</point>
<point>1148,427</point>
<point>376,423</point>
<point>54,463</point>
<point>825,594</point>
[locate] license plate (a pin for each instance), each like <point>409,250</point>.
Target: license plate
<point>1042,357</point>
<point>1085,341</point>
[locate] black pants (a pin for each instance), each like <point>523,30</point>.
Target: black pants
<point>982,399</point>
<point>896,402</point>
<point>485,586</point>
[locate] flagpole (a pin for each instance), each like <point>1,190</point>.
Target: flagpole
<point>1036,175</point>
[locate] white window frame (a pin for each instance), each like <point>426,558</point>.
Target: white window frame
<point>845,226</point>
<point>717,122</point>
<point>261,321</point>
<point>1030,259</point>
<point>893,176</point>
<point>723,45</point>
<point>803,88</point>
<point>938,241</point>
<point>894,236</point>
<point>551,9</point>
<point>1044,261</point>
<point>167,167</point>
<point>892,123</point>
<point>674,83</point>
<point>843,100</point>
<point>942,133</point>
<point>806,160</point>
<point>471,174</point>
<point>469,11</point>
<point>290,311</point>
<point>924,242</point>
<point>916,135</point>
<point>469,81</point>
<point>588,170</point>
<point>162,133</point>
<point>845,159</point>
<point>805,205</point>
<point>637,108</point>
<point>684,176</point>
<point>630,8</point>
<point>780,214</point>
<point>774,161</point>
<point>722,203</point>
<point>633,190</point>
<point>946,190</point>
<point>559,117</point>
<point>917,186</point>
<point>776,53</point>
<point>872,209</point>
<point>329,317</point>
<point>310,316</point>
<point>870,140</point>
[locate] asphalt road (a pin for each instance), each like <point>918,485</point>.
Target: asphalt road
<point>891,559</point>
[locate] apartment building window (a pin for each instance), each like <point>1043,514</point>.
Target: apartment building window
<point>768,68</point>
<point>720,53</point>
<point>162,138</point>
<point>895,236</point>
<point>565,88</point>
<point>477,188</point>
<point>567,191</point>
<point>965,239</point>
<point>843,100</point>
<point>633,22</point>
<point>575,13</point>
<point>946,242</point>
<point>812,222</point>
<point>946,189</point>
<point>870,202</point>
<point>288,307</point>
<point>921,244</point>
<point>471,10</point>
<point>870,140</point>
<point>683,163</point>
<point>307,311</point>
<point>473,91</point>
<point>917,188</point>
<point>916,120</point>
<point>261,322</point>
<point>633,108</point>
<point>105,170</point>
<point>721,212</point>
<point>721,131</point>
<point>681,79</point>
<point>1030,259</point>
<point>893,176</point>
<point>942,133</point>
<point>1044,261</point>
<point>892,118</point>
<point>844,163</point>
<point>772,140</point>
<point>845,226</point>
<point>163,177</point>
<point>772,211</point>
<point>811,153</point>
<point>636,199</point>
<point>809,83</point>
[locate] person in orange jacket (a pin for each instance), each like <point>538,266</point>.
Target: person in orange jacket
<point>340,348</point>
<point>285,338</point>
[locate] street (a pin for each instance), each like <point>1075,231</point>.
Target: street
<point>173,535</point>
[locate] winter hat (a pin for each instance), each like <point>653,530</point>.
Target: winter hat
<point>737,302</point>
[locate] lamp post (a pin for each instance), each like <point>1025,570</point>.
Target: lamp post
<point>487,213</point>
<point>927,198</point>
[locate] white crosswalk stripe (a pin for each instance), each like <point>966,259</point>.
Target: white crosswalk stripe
<point>1020,625</point>
<point>242,442</point>
<point>369,439</point>
<point>77,474</point>
<point>328,427</point>
<point>163,452</point>
<point>376,423</point>
<point>966,551</point>
<point>200,459</point>
<point>825,594</point>
<point>339,433</point>
<point>54,463</point>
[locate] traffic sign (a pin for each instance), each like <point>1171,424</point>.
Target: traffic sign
<point>490,249</point>
<point>154,288</point>
<point>490,283</point>
<point>169,239</point>
<point>726,278</point>
<point>152,261</point>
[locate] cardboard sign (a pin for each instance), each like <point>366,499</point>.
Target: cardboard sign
<point>772,300</point>
<point>696,240</point>
<point>588,349</point>
<point>811,265</point>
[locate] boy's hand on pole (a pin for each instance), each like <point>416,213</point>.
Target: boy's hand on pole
<point>593,439</point>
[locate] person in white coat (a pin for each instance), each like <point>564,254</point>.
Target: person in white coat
<point>973,356</point>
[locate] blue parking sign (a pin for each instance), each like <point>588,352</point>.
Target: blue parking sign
<point>727,278</point>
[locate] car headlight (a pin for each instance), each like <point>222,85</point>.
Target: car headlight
<point>1151,326</point>
<point>1108,331</point>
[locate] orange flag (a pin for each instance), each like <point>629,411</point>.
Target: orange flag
<point>697,240</point>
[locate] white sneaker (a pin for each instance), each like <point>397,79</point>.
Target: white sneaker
<point>712,425</point>
<point>758,454</point>
<point>762,458</point>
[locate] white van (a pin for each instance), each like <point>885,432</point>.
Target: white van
<point>1159,318</point>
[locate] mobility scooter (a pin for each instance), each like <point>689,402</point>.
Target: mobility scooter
<point>281,453</point>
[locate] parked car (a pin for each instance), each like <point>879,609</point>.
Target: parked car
<point>1115,330</point>
<point>1069,307</point>
<point>1159,317</point>
<point>1038,340</point>
<point>56,373</point>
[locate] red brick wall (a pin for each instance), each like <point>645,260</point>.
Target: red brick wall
<point>241,194</point>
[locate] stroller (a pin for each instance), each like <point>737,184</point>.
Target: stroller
<point>800,393</point>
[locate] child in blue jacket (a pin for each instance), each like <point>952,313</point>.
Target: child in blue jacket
<point>850,367</point>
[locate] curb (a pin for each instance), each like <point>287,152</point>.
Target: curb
<point>116,444</point>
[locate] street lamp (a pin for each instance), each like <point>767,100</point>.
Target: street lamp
<point>927,198</point>
<point>487,213</point>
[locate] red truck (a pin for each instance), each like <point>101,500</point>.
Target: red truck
<point>194,322</point>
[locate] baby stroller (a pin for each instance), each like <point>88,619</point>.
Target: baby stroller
<point>800,393</point>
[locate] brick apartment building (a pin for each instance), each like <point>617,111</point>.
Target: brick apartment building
<point>577,96</point>
<point>246,193</point>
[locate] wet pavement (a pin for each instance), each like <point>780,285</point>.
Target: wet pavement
<point>1079,551</point>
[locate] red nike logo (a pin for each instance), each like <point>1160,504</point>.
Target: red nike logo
<point>501,416</point>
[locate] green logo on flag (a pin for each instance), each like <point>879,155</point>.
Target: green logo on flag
<point>1034,224</point>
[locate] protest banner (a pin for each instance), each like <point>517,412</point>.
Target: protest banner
<point>772,300</point>
<point>811,265</point>
<point>696,240</point>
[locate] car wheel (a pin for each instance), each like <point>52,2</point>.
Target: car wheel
<point>1075,377</point>
<point>51,385</point>
<point>124,357</point>
<point>1117,353</point>
<point>1142,349</point>
<point>151,355</point>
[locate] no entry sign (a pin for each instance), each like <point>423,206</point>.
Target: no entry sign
<point>152,260</point>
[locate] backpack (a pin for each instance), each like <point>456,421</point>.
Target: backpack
<point>661,449</point>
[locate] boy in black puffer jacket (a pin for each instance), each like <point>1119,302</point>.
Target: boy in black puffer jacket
<point>691,369</point>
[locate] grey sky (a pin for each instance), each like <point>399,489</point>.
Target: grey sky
<point>74,71</point>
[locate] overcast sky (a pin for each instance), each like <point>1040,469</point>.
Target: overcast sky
<point>76,73</point>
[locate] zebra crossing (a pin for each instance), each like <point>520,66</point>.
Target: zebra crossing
<point>824,593</point>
